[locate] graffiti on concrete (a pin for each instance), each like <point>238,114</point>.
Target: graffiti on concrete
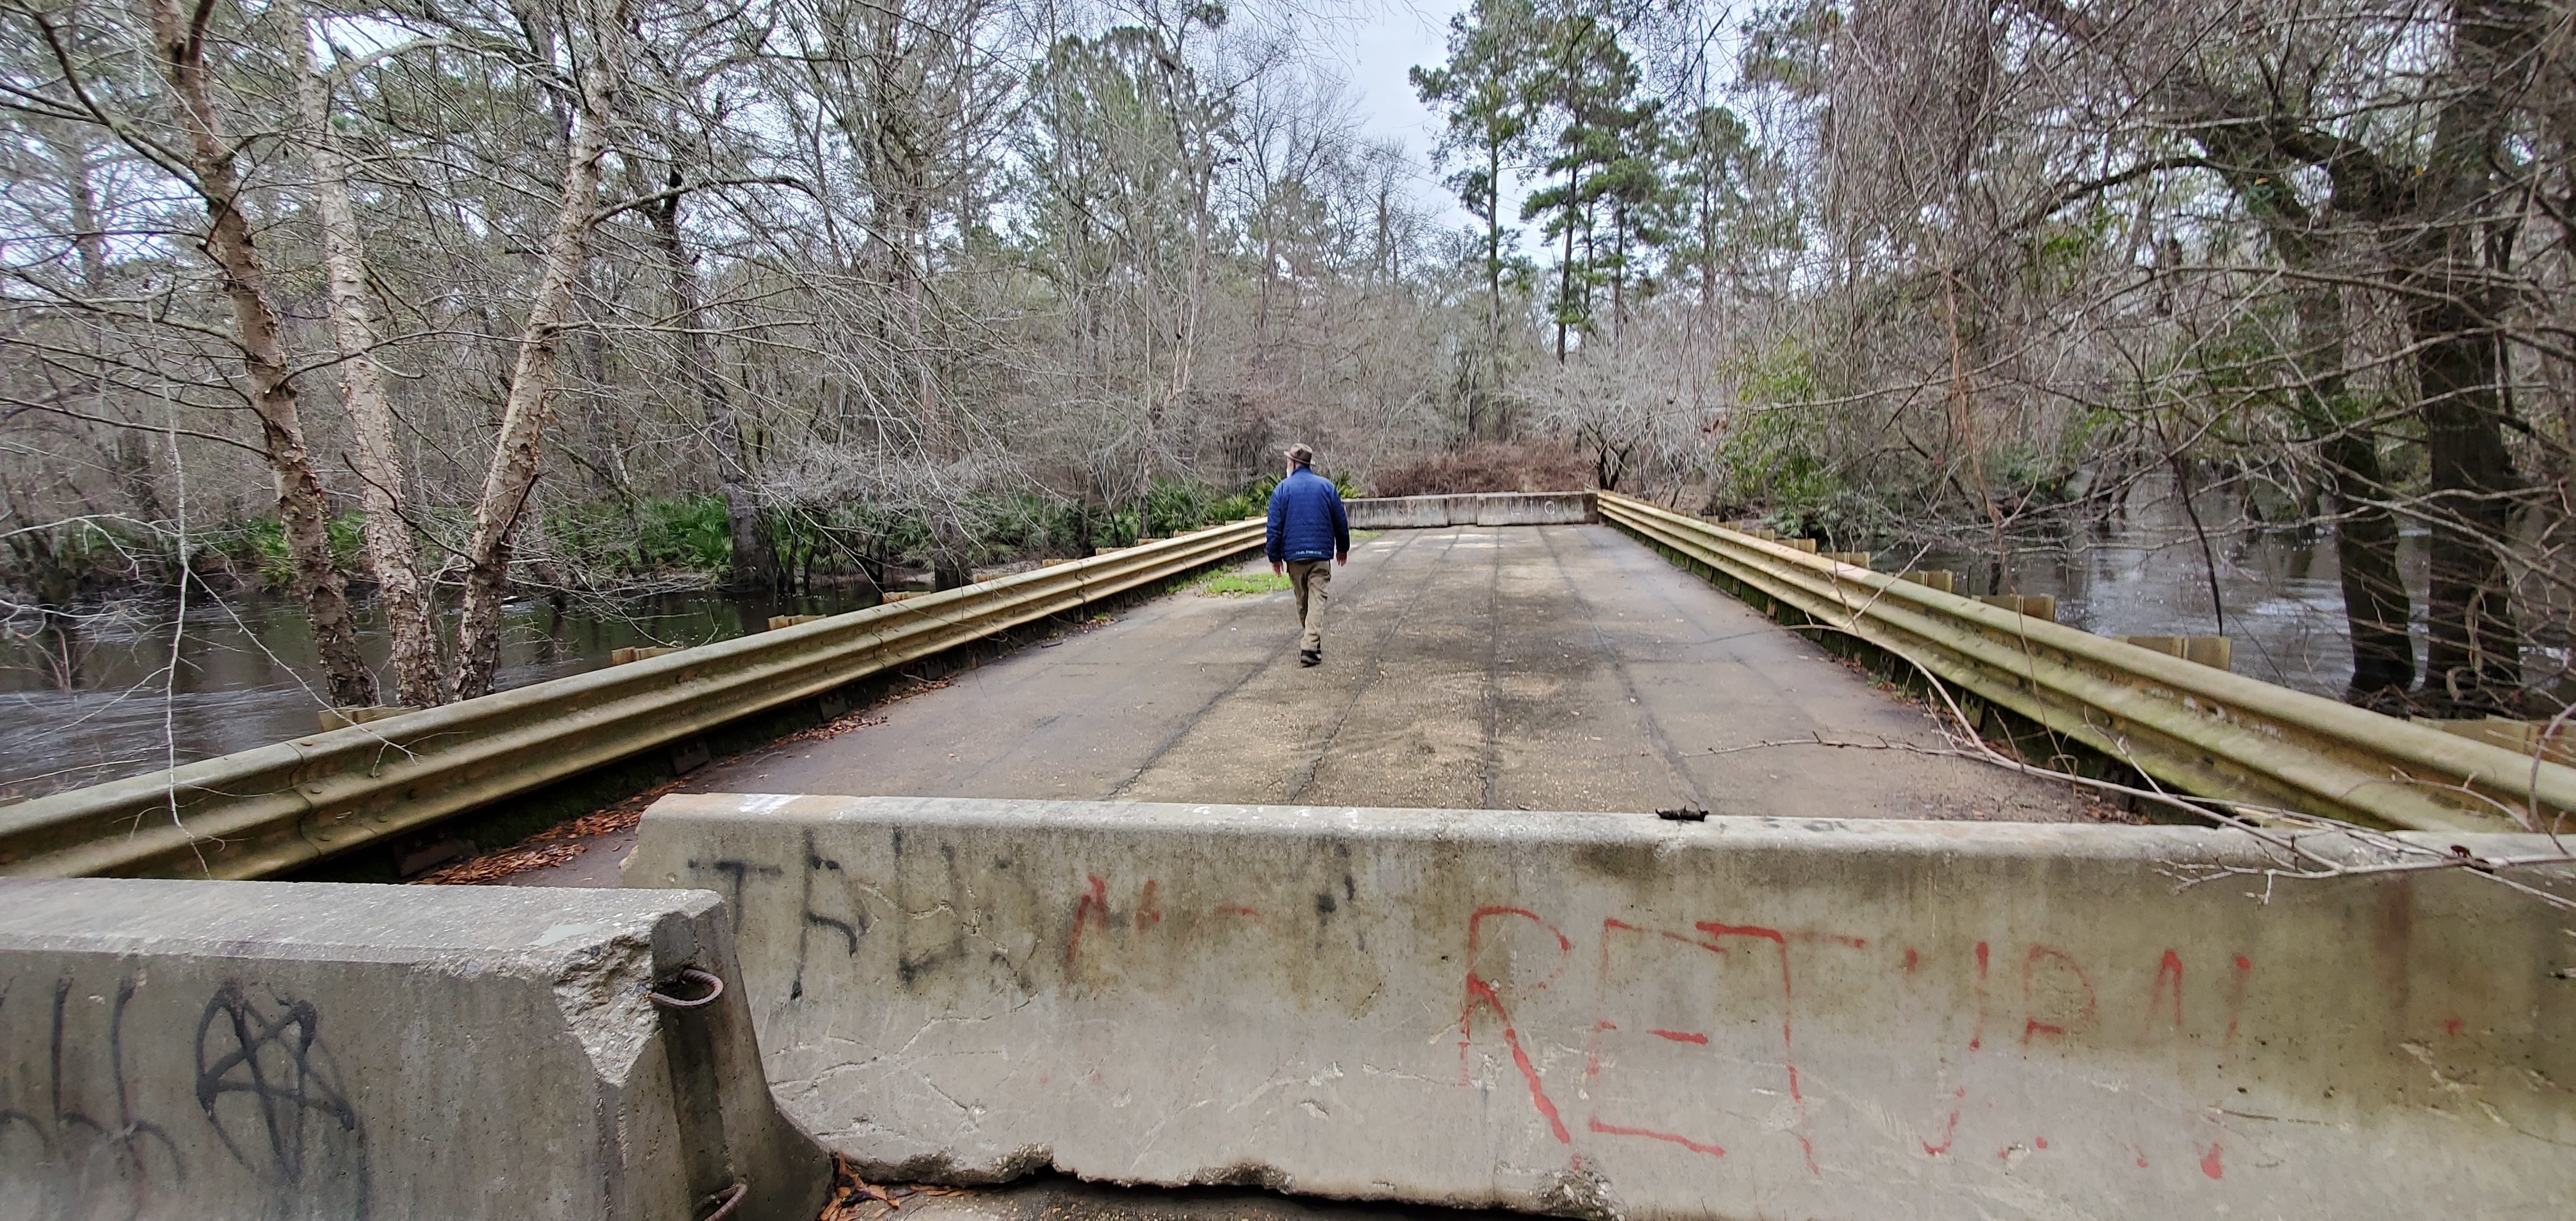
<point>76,1126</point>
<point>273,1096</point>
<point>1602,1034</point>
<point>2051,997</point>
<point>88,1126</point>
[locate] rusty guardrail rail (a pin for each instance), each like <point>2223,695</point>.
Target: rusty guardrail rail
<point>2200,730</point>
<point>259,812</point>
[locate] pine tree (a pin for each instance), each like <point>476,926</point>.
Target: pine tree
<point>1491,98</point>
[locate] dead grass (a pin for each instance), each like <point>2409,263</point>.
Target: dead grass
<point>1528,466</point>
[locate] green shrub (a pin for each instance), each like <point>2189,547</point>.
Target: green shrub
<point>691,535</point>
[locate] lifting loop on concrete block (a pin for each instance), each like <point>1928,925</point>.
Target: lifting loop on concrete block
<point>730,1198</point>
<point>715,988</point>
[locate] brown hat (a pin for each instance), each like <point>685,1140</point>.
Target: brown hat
<point>1302,454</point>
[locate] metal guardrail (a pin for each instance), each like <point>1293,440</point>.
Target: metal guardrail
<point>2201,731</point>
<point>260,812</point>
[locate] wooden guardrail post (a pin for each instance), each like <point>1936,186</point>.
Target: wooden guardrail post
<point>1935,578</point>
<point>2217,651</point>
<point>2037,606</point>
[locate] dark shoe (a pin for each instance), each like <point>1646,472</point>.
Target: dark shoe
<point>1311,657</point>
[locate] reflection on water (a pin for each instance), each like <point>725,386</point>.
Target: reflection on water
<point>137,689</point>
<point>2143,574</point>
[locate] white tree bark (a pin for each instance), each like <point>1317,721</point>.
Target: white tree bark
<point>419,675</point>
<point>517,453</point>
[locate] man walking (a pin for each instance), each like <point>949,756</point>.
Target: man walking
<point>1308,534</point>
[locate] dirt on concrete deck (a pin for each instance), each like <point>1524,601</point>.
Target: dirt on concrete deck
<point>1052,1197</point>
<point>1537,668</point>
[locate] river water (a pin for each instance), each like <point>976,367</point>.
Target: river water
<point>2278,595</point>
<point>138,687</point>
<point>143,687</point>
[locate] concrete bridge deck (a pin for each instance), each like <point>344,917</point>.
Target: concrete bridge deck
<point>1531,667</point>
<point>1542,668</point>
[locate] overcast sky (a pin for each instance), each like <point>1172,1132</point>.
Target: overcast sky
<point>1375,52</point>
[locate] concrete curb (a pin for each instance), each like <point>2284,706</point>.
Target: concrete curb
<point>273,1050</point>
<point>1612,1016</point>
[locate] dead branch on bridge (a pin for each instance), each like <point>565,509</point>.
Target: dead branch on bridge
<point>2285,832</point>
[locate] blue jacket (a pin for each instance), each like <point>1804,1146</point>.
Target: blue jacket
<point>1306,520</point>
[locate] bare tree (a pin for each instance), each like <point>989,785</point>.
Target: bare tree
<point>517,455</point>
<point>181,34</point>
<point>410,616</point>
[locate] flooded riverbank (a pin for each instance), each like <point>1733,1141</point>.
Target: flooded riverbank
<point>2278,594</point>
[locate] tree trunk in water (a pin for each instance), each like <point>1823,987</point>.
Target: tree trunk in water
<point>2376,605</point>
<point>301,509</point>
<point>419,674</point>
<point>752,564</point>
<point>517,452</point>
<point>2474,663</point>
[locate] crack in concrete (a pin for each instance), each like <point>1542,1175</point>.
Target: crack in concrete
<point>1259,669</point>
<point>1493,757</point>
<point>1305,775</point>
<point>1673,765</point>
<point>1037,731</point>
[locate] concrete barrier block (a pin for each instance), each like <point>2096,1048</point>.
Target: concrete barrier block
<point>1476,509</point>
<point>218,1050</point>
<point>1535,509</point>
<point>1615,1016</point>
<point>1397,512</point>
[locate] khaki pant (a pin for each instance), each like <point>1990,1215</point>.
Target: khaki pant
<point>1311,578</point>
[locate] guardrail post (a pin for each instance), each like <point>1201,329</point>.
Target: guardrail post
<point>2037,606</point>
<point>2215,651</point>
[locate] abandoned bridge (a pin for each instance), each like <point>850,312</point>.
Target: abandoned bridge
<point>1614,864</point>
